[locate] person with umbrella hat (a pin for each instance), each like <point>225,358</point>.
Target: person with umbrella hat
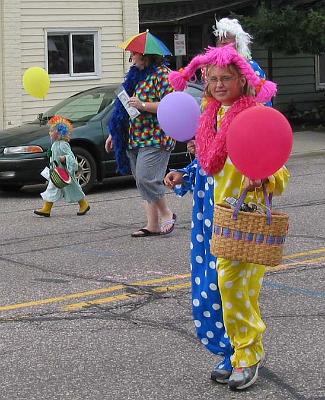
<point>139,143</point>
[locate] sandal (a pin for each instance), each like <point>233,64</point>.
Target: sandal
<point>170,222</point>
<point>144,232</point>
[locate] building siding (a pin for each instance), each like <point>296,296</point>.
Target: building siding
<point>295,76</point>
<point>25,24</point>
<point>11,74</point>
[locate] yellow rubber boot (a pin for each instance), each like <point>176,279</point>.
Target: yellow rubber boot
<point>45,211</point>
<point>84,207</point>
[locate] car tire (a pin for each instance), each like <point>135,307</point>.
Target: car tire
<point>87,169</point>
<point>10,187</point>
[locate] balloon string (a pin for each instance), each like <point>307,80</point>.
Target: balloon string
<point>189,155</point>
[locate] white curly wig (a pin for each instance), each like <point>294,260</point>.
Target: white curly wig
<point>227,26</point>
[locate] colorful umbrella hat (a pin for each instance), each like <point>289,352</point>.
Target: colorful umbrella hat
<point>145,43</point>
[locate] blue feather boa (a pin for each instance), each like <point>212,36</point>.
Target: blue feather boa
<point>118,124</point>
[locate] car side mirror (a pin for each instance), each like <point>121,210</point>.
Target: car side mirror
<point>40,118</point>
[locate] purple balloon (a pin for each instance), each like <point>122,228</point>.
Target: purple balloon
<point>178,115</point>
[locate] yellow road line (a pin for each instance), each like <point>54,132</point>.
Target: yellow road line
<point>97,302</point>
<point>105,300</point>
<point>88,293</point>
<point>294,264</point>
<point>59,298</point>
<point>306,253</point>
<point>97,292</point>
<point>164,289</point>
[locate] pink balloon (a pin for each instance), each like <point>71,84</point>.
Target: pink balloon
<point>178,115</point>
<point>259,141</point>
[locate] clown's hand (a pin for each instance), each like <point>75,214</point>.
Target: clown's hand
<point>173,178</point>
<point>109,144</point>
<point>250,184</point>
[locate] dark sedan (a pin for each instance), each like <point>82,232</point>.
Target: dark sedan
<point>23,149</point>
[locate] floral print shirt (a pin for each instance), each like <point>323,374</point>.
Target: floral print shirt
<point>145,130</point>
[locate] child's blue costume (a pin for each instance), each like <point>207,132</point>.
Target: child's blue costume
<point>206,301</point>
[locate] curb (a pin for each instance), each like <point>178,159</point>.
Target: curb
<point>310,153</point>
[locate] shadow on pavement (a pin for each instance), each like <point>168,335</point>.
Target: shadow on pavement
<point>109,185</point>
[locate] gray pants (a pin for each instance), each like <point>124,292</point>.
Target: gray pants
<point>148,165</point>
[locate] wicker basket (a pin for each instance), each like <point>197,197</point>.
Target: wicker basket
<point>248,236</point>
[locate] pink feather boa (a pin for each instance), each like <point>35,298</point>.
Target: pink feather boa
<point>210,145</point>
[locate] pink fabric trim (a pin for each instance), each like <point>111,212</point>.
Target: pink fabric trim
<point>211,146</point>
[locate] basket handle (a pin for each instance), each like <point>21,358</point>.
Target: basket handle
<point>268,203</point>
<point>57,164</point>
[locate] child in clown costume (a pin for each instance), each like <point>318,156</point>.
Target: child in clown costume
<point>231,81</point>
<point>62,155</point>
<point>210,331</point>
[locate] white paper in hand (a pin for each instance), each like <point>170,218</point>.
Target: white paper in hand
<point>124,99</point>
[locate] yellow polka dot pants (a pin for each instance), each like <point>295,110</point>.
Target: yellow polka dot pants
<point>240,285</point>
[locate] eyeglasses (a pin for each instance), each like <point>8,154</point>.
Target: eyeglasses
<point>224,80</point>
<point>224,41</point>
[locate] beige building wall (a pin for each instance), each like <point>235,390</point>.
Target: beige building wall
<point>25,23</point>
<point>11,63</point>
<point>130,25</point>
<point>1,63</point>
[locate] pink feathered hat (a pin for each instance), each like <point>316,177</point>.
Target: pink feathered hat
<point>221,57</point>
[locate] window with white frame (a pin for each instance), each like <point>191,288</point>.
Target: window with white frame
<point>320,71</point>
<point>73,54</point>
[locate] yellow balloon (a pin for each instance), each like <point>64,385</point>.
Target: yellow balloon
<point>36,82</point>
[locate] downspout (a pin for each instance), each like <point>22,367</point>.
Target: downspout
<point>2,61</point>
<point>268,4</point>
<point>179,59</point>
<point>123,16</point>
<point>130,21</point>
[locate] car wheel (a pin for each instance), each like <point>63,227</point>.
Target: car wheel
<point>10,187</point>
<point>87,170</point>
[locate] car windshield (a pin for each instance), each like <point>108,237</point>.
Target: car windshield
<point>83,106</point>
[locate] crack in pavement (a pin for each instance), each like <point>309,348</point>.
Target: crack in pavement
<point>273,377</point>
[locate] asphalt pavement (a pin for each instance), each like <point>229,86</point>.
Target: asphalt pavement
<point>89,313</point>
<point>308,143</point>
